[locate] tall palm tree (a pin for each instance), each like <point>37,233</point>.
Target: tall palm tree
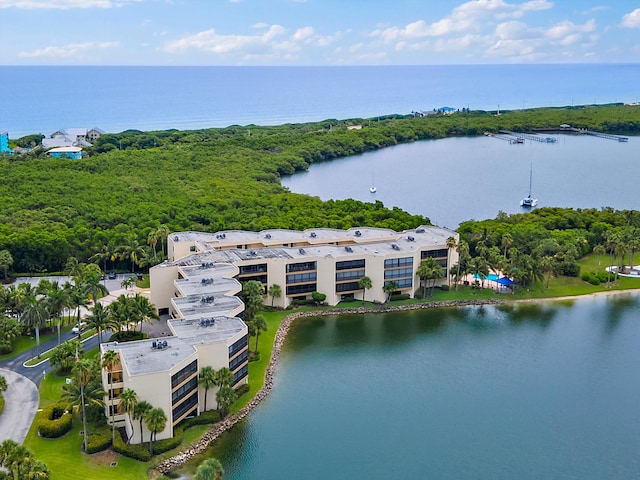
<point>463,253</point>
<point>105,254</point>
<point>121,313</point>
<point>599,250</point>
<point>156,421</point>
<point>143,310</point>
<point>100,319</point>
<point>152,240</point>
<point>224,377</point>
<point>225,398</point>
<point>131,250</point>
<point>34,315</point>
<point>275,291</point>
<point>128,401</point>
<point>506,242</point>
<point>425,270</point>
<point>82,375</point>
<point>91,282</point>
<point>207,378</point>
<point>73,268</point>
<point>163,233</point>
<point>260,325</point>
<point>451,244</point>
<point>389,288</point>
<point>56,300</point>
<point>109,361</point>
<point>364,283</point>
<point>140,411</point>
<point>210,469</point>
<point>6,260</point>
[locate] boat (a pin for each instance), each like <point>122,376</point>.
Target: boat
<point>529,201</point>
<point>373,188</point>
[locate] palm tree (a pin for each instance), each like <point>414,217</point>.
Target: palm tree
<point>253,298</point>
<point>599,250</point>
<point>109,361</point>
<point>224,377</point>
<point>77,298</point>
<point>3,384</point>
<point>210,469</point>
<point>140,412</point>
<point>389,288</point>
<point>34,315</point>
<point>106,253</point>
<point>56,300</point>
<point>73,268</point>
<point>128,401</point>
<point>163,233</point>
<point>425,271</point>
<point>152,240</point>
<point>275,291</point>
<point>546,266</point>
<point>207,378</point>
<point>507,241</point>
<point>364,284</point>
<point>225,398</point>
<point>6,260</point>
<point>156,421</point>
<point>99,319</point>
<point>82,375</point>
<point>143,310</point>
<point>259,324</point>
<point>463,253</point>
<point>451,244</point>
<point>120,313</point>
<point>131,250</point>
<point>91,282</point>
<point>128,282</point>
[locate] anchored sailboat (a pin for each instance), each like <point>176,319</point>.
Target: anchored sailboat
<point>529,201</point>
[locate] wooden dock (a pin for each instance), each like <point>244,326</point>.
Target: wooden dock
<point>582,131</point>
<point>529,136</point>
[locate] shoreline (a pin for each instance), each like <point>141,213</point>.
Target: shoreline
<point>281,334</point>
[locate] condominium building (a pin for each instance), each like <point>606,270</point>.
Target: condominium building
<point>164,371</point>
<point>198,287</point>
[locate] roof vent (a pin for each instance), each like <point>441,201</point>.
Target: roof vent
<point>410,238</point>
<point>253,253</point>
<point>175,239</point>
<point>358,233</point>
<point>312,234</point>
<point>348,248</point>
<point>267,236</point>
<point>395,246</point>
<point>419,230</point>
<point>301,251</point>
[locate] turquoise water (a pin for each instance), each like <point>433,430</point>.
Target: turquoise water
<point>492,276</point>
<point>529,391</point>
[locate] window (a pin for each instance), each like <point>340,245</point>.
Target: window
<point>349,264</point>
<point>398,262</point>
<point>305,288</point>
<point>185,406</point>
<point>184,390</point>
<point>349,275</point>
<point>398,273</point>
<point>443,252</point>
<point>347,287</point>
<point>239,345</point>
<point>301,267</point>
<point>404,283</point>
<point>259,268</point>
<point>183,374</point>
<point>257,278</point>
<point>301,277</point>
<point>239,360</point>
<point>240,374</point>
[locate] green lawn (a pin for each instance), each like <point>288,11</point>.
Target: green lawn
<point>24,343</point>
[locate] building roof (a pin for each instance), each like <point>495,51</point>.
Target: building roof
<point>207,330</point>
<point>65,150</point>
<point>141,358</point>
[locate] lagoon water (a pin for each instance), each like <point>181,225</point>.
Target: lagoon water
<point>456,179</point>
<point>528,391</point>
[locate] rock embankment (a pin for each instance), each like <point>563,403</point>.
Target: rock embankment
<point>224,425</point>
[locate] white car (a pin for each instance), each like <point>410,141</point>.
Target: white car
<point>78,328</point>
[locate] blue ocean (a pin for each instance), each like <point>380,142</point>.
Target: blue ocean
<point>45,99</point>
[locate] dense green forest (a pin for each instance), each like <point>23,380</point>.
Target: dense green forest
<point>132,183</point>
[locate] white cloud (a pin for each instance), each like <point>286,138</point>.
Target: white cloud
<point>466,18</point>
<point>632,20</point>
<point>68,51</point>
<point>64,4</point>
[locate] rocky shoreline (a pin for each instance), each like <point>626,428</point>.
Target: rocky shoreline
<point>210,436</point>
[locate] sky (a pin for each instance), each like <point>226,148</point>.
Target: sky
<point>317,32</point>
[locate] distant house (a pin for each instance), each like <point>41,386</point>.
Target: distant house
<point>446,110</point>
<point>72,137</point>
<point>354,127</point>
<point>74,153</point>
<point>4,144</point>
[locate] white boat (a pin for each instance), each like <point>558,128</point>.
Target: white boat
<point>529,201</point>
<point>373,189</point>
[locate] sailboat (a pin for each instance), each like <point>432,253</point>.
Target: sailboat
<point>373,188</point>
<point>529,201</point>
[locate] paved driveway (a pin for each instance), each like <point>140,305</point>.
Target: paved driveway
<point>21,404</point>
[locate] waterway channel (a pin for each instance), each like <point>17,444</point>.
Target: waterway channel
<point>527,391</point>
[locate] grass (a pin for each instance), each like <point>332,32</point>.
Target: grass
<point>1,403</point>
<point>24,343</point>
<point>45,355</point>
<point>145,282</point>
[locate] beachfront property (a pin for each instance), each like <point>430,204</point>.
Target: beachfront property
<point>72,137</point>
<point>205,331</point>
<point>329,261</point>
<point>4,143</point>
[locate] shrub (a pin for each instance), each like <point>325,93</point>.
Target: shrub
<point>585,277</point>
<point>5,347</point>
<point>99,439</point>
<point>1,403</point>
<point>127,336</point>
<point>54,421</point>
<point>167,444</point>
<point>137,452</point>
<point>444,288</point>
<point>205,418</point>
<point>400,296</point>
<point>242,389</point>
<point>603,276</point>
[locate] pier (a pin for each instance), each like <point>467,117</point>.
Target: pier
<point>581,131</point>
<point>529,136</point>
<point>506,137</point>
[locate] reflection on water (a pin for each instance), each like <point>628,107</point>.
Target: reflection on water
<point>534,390</point>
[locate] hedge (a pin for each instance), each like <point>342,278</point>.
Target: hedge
<point>1,403</point>
<point>54,421</point>
<point>137,452</point>
<point>99,440</point>
<point>400,296</point>
<point>205,418</point>
<point>167,444</point>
